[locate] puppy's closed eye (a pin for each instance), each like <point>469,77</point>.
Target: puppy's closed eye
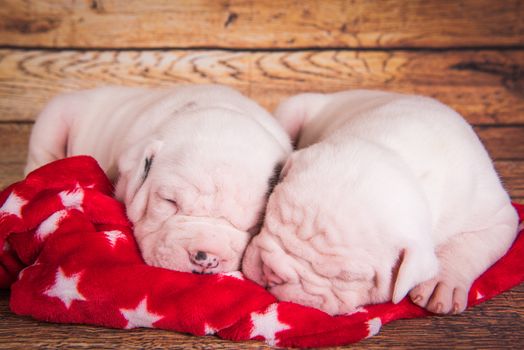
<point>168,200</point>
<point>147,167</point>
<point>164,205</point>
<point>172,201</point>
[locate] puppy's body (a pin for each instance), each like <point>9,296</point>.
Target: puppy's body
<point>191,163</point>
<point>387,192</point>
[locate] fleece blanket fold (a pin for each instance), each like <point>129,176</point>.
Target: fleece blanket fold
<point>69,256</point>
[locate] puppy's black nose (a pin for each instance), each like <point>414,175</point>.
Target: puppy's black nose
<point>204,259</point>
<point>200,255</point>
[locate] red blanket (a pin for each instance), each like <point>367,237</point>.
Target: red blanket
<point>69,256</point>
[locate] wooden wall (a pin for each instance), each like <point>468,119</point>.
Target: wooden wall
<point>467,53</point>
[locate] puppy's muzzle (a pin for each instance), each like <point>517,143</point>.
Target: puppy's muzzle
<point>211,245</point>
<point>204,260</point>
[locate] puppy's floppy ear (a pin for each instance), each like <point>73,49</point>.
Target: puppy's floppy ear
<point>134,166</point>
<point>294,112</point>
<point>418,264</point>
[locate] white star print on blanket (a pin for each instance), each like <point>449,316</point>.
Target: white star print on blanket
<point>113,236</point>
<point>208,330</point>
<point>140,316</point>
<point>267,324</point>
<point>50,225</point>
<point>479,295</point>
<point>73,199</point>
<point>234,274</point>
<point>374,326</point>
<point>65,288</point>
<point>13,205</point>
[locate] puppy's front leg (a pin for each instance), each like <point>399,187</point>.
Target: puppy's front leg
<point>48,141</point>
<point>463,258</point>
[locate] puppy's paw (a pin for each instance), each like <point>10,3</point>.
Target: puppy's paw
<point>421,293</point>
<point>441,295</point>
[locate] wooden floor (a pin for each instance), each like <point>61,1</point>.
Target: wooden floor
<point>467,53</point>
<point>496,324</point>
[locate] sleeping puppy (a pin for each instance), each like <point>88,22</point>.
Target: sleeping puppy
<point>193,164</point>
<point>388,194</point>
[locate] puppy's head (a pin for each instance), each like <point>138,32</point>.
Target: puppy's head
<point>335,239</point>
<point>197,190</point>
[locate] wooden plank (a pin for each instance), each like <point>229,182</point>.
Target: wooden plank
<point>261,24</point>
<point>487,86</point>
<point>503,143</point>
<point>506,146</point>
<point>10,173</point>
<point>512,175</point>
<point>14,139</point>
<point>491,325</point>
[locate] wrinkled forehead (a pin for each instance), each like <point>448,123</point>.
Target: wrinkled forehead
<point>201,177</point>
<point>205,186</point>
<point>221,159</point>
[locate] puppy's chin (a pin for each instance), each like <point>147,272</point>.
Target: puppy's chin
<point>295,293</point>
<point>328,299</point>
<point>320,298</point>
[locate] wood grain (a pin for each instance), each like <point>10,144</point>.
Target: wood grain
<point>261,24</point>
<point>495,324</point>
<point>505,145</point>
<point>486,86</point>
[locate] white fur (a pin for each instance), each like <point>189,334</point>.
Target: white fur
<point>212,151</point>
<point>387,192</point>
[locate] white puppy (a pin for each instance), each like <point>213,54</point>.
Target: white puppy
<point>193,163</point>
<point>388,193</point>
